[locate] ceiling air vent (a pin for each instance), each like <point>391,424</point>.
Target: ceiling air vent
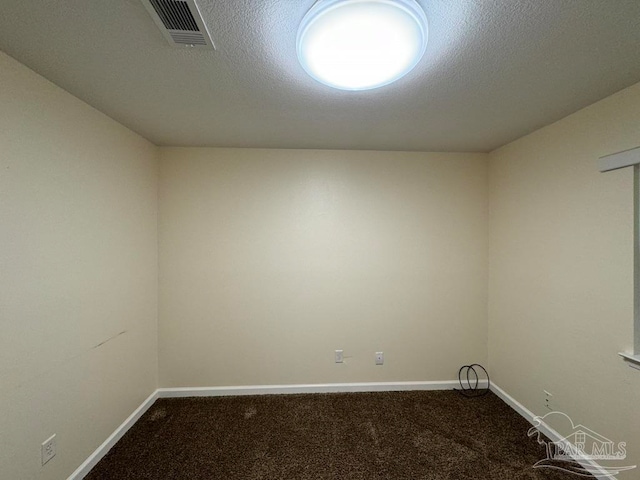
<point>180,22</point>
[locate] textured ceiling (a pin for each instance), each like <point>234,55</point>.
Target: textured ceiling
<point>493,71</point>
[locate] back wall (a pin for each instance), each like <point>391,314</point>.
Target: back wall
<point>272,259</point>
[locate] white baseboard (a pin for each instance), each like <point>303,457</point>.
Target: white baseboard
<point>524,412</point>
<point>181,392</point>
<point>103,449</point>
<point>545,429</point>
<point>309,388</point>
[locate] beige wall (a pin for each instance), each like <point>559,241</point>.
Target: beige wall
<point>78,265</point>
<point>272,259</point>
<point>561,269</point>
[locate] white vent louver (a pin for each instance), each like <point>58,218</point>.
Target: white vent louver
<point>180,22</point>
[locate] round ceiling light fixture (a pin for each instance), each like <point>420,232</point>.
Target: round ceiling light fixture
<point>361,44</point>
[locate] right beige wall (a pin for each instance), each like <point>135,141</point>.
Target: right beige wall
<point>561,269</point>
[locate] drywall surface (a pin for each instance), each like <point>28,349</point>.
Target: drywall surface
<point>78,274</point>
<point>561,270</point>
<point>273,259</point>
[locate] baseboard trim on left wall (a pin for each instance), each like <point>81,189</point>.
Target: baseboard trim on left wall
<point>181,392</point>
<point>119,432</point>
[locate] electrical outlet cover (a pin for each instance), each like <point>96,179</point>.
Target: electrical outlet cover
<point>48,450</point>
<point>379,358</point>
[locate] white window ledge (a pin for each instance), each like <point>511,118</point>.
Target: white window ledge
<point>635,359</point>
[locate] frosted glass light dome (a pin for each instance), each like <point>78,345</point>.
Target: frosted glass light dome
<point>361,44</point>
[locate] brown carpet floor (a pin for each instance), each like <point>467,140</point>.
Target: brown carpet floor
<point>373,436</point>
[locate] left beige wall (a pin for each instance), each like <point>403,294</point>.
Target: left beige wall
<point>78,274</point>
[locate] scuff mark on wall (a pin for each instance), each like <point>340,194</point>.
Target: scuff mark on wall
<point>109,339</point>
<point>51,367</point>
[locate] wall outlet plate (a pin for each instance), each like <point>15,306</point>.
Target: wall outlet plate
<point>339,356</point>
<point>48,449</point>
<point>379,358</point>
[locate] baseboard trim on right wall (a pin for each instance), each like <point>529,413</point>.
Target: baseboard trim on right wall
<point>554,436</point>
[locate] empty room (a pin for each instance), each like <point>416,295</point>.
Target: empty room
<point>319,239</point>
